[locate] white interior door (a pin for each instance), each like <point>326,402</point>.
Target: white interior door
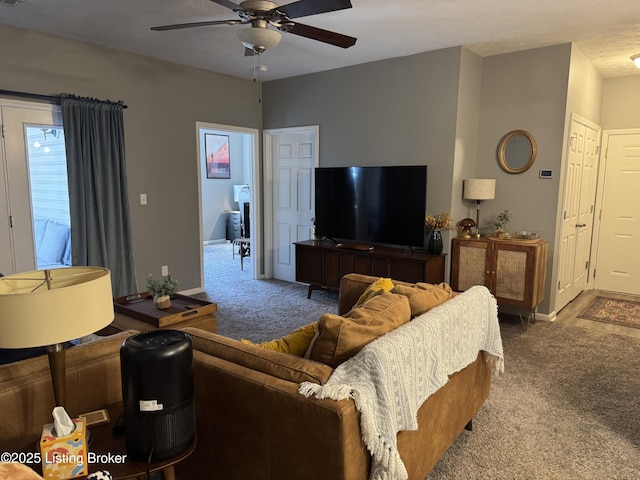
<point>586,207</point>
<point>579,200</point>
<point>618,261</point>
<point>294,158</point>
<point>16,233</point>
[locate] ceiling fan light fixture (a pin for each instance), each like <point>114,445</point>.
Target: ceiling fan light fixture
<point>259,39</point>
<point>636,59</point>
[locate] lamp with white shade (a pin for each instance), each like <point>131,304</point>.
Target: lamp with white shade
<point>479,189</point>
<point>51,307</point>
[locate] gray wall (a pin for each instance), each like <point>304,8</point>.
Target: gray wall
<point>164,102</point>
<point>421,109</point>
<point>401,111</point>
<point>448,109</point>
<point>467,128</point>
<point>525,91</point>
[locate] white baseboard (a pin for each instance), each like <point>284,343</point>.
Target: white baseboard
<point>546,317</point>
<point>213,242</point>
<point>191,291</point>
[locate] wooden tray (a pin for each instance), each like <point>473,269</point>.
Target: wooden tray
<point>140,306</point>
<point>517,240</point>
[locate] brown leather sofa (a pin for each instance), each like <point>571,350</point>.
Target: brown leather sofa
<point>251,421</point>
<point>26,395</point>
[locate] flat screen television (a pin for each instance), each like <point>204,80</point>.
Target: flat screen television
<point>373,205</point>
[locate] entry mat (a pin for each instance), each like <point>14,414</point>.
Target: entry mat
<point>613,310</point>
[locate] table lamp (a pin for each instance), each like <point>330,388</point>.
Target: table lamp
<point>479,189</point>
<point>50,307</point>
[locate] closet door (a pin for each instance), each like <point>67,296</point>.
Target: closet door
<point>17,235</point>
<point>578,209</point>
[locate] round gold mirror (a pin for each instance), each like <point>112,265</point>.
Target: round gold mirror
<point>517,151</point>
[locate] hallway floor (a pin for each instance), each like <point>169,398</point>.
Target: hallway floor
<point>570,312</point>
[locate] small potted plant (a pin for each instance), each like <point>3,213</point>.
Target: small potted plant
<point>162,290</point>
<point>501,224</point>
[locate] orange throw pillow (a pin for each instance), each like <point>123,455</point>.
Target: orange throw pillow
<point>424,296</point>
<point>340,338</point>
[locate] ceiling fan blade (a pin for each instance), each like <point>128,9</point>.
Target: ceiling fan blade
<point>315,33</point>
<point>248,52</point>
<point>196,24</point>
<point>228,4</point>
<point>304,8</point>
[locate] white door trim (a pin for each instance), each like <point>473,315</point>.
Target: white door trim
<point>255,220</point>
<point>19,254</point>
<point>268,135</point>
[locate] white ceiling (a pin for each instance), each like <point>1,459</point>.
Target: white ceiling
<point>606,31</point>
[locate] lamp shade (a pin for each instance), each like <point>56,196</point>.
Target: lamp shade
<point>259,39</point>
<point>46,307</point>
<point>479,189</point>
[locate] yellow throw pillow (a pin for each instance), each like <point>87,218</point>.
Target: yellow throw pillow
<point>424,296</point>
<point>295,343</point>
<point>382,285</point>
<point>340,338</point>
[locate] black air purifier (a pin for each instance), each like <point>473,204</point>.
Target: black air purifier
<point>157,393</point>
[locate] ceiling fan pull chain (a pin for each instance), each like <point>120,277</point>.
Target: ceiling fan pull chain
<point>259,78</point>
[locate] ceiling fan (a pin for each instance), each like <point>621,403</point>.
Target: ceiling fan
<point>260,14</point>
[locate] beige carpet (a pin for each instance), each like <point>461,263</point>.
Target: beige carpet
<point>566,408</point>
<point>613,310</point>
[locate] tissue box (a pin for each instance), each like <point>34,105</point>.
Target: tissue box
<point>64,457</point>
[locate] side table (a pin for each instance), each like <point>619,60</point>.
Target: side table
<point>106,445</point>
<point>107,452</point>
<point>138,313</point>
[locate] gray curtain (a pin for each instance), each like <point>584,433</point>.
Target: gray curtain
<point>99,203</point>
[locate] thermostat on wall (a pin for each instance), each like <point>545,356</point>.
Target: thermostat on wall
<point>546,173</point>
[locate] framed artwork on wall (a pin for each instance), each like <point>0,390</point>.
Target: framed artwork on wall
<point>217,155</point>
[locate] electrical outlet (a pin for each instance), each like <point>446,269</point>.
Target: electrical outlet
<point>165,270</point>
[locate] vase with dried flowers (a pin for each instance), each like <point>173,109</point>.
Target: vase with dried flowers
<point>437,223</point>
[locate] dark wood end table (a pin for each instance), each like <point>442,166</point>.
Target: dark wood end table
<point>107,452</point>
<point>106,445</point>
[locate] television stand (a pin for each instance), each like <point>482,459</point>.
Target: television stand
<point>355,246</point>
<point>322,263</point>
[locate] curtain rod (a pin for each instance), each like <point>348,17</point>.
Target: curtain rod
<point>37,96</point>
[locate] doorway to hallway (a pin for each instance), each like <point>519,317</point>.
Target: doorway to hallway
<point>218,199</point>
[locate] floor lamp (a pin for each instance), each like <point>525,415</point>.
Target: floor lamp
<point>479,189</point>
<point>51,307</point>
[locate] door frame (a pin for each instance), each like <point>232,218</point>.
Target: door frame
<point>268,135</point>
<point>255,220</point>
<point>15,210</point>
<point>595,241</point>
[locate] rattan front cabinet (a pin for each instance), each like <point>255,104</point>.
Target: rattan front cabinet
<point>513,270</point>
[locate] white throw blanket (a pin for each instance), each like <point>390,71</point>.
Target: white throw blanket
<point>391,377</point>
